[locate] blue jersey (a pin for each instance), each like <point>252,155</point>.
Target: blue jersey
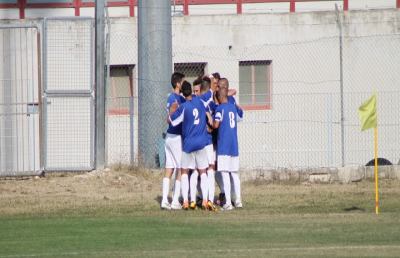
<point>213,106</point>
<point>207,97</point>
<point>192,115</point>
<point>227,143</point>
<point>172,98</point>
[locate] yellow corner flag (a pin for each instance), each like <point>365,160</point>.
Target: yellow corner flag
<point>368,117</point>
<point>367,113</point>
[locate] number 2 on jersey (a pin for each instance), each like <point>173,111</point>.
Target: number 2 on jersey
<point>196,116</point>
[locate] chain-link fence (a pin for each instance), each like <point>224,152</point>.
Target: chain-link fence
<point>287,72</point>
<point>290,84</point>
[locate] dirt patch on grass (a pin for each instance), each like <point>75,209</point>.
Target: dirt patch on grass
<point>124,190</point>
<point>68,191</point>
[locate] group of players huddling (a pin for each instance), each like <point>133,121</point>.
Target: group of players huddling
<point>201,142</point>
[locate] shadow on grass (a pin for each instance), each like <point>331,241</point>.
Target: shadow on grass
<point>354,208</point>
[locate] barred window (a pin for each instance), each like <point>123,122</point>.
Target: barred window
<point>191,70</point>
<point>255,79</point>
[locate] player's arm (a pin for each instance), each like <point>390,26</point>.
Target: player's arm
<point>177,117</point>
<point>173,107</point>
<point>209,122</point>
<point>217,119</point>
<point>231,92</point>
<point>207,97</point>
<point>239,111</point>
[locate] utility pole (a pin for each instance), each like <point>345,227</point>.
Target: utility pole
<point>154,73</point>
<point>100,85</point>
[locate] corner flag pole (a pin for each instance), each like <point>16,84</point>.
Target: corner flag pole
<point>368,117</point>
<point>376,169</point>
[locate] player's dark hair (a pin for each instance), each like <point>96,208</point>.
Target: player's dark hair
<point>205,84</point>
<point>176,78</point>
<point>186,89</point>
<point>198,81</point>
<point>216,76</point>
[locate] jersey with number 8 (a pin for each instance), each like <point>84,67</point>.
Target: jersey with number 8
<point>227,142</point>
<point>192,115</point>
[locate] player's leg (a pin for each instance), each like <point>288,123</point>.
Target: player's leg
<point>202,165</point>
<point>193,188</point>
<point>165,189</point>
<point>211,172</point>
<point>177,157</point>
<point>234,168</point>
<point>175,205</point>
<point>170,165</point>
<point>237,190</point>
<point>224,167</point>
<point>227,190</point>
<point>188,162</point>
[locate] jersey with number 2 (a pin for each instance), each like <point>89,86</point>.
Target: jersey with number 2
<point>192,115</point>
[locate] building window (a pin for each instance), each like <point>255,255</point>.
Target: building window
<point>255,79</point>
<point>121,88</point>
<point>191,70</point>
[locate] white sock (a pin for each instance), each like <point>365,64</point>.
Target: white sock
<point>177,191</point>
<point>236,184</point>
<point>227,186</point>
<point>165,189</point>
<point>193,185</point>
<point>211,184</point>
<point>185,187</point>
<point>218,178</point>
<point>204,186</point>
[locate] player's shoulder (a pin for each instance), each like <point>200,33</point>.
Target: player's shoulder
<point>231,100</point>
<point>171,97</point>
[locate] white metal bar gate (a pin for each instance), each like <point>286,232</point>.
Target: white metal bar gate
<point>19,100</point>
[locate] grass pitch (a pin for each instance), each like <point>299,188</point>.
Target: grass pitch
<point>116,214</point>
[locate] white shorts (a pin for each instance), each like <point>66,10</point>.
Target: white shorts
<point>196,159</point>
<point>211,154</point>
<point>228,163</point>
<point>173,151</point>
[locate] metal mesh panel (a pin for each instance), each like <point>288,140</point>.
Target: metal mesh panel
<point>69,55</point>
<point>69,133</point>
<point>69,105</point>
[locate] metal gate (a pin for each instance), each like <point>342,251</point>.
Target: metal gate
<point>68,95</point>
<point>19,100</point>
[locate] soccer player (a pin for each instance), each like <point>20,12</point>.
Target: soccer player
<point>192,115</point>
<point>194,186</point>
<point>204,88</point>
<point>215,77</point>
<point>173,147</point>
<point>226,118</point>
